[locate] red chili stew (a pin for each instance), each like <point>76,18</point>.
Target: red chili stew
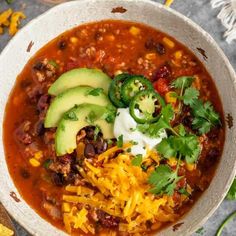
<point>45,179</point>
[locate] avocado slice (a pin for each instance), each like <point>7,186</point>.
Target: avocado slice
<point>77,118</point>
<point>66,100</point>
<point>77,77</point>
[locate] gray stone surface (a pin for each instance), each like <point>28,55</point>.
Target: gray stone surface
<point>199,11</point>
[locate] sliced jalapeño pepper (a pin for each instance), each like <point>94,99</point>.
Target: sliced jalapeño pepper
<point>145,106</point>
<point>132,86</point>
<point>115,90</point>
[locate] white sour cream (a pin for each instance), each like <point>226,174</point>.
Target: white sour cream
<point>124,124</point>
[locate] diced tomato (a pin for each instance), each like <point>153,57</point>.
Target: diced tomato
<point>161,86</point>
<point>71,65</point>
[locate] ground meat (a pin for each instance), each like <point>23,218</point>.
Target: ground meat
<point>52,210</point>
<point>43,103</point>
<point>107,220</point>
<point>62,165</point>
<point>22,133</point>
<point>34,92</point>
<point>89,150</point>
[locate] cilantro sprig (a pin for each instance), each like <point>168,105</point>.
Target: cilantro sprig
<point>164,180</point>
<point>205,117</point>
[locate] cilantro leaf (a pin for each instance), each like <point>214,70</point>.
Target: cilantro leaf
<point>190,95</point>
<point>137,160</point>
<point>70,115</point>
<point>96,132</point>
<point>164,180</point>
<point>120,141</point>
<point>110,114</point>
<point>205,117</point>
<point>95,92</point>
<point>183,191</point>
<point>165,148</point>
<point>186,146</point>
<point>232,192</point>
<point>91,117</point>
<point>183,82</point>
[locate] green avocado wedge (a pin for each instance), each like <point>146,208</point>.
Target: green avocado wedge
<point>68,99</point>
<point>80,77</point>
<point>77,118</point>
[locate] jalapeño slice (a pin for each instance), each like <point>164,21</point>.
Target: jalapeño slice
<point>145,107</point>
<point>133,85</point>
<point>115,90</point>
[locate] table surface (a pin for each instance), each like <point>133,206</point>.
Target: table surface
<point>199,11</point>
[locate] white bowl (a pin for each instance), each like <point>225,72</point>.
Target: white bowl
<point>68,15</point>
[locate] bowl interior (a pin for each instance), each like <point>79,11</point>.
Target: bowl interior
<point>68,15</point>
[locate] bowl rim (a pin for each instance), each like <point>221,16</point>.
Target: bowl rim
<point>191,23</point>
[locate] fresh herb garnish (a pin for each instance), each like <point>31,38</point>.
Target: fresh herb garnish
<point>47,163</point>
<point>164,180</point>
<point>95,92</point>
<point>134,142</point>
<point>9,1</point>
<point>183,82</point>
<point>110,114</point>
<point>205,116</point>
<point>200,231</point>
<point>62,127</point>
<point>232,192</point>
<point>120,141</point>
<point>109,142</point>
<point>96,132</point>
<point>183,191</point>
<point>91,117</point>
<point>187,146</point>
<point>53,63</point>
<point>70,115</point>
<point>137,160</point>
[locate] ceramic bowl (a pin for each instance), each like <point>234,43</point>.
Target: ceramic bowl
<point>68,15</point>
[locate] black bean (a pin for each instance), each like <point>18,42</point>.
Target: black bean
<point>187,121</point>
<point>89,150</point>
<point>24,173</point>
<point>43,102</point>
<point>150,44</point>
<point>107,220</point>
<point>39,128</point>
<point>62,44</point>
<point>57,179</point>
<point>89,132</point>
<point>100,146</point>
<point>39,66</point>
<point>160,48</point>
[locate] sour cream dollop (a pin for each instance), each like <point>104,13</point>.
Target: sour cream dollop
<point>125,125</point>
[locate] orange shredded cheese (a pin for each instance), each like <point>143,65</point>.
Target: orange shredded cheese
<point>168,2</point>
<point>11,20</point>
<point>130,200</point>
<point>15,21</point>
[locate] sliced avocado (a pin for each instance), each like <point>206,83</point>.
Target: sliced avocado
<point>76,119</point>
<point>80,77</point>
<point>66,100</point>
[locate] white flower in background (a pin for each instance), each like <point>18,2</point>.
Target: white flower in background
<point>227,16</point>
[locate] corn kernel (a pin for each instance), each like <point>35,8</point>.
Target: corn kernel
<point>66,207</point>
<point>197,82</point>
<point>74,40</point>
<point>190,167</point>
<point>178,55</point>
<point>172,161</point>
<point>150,56</point>
<point>169,43</point>
<point>170,98</point>
<point>134,30</point>
<point>38,155</point>
<point>118,72</point>
<point>34,162</point>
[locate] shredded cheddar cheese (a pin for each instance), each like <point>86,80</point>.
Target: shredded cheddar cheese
<point>11,20</point>
<point>168,2</point>
<point>123,192</point>
<point>4,231</point>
